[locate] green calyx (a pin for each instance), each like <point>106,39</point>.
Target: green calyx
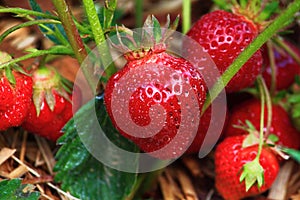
<point>7,71</point>
<point>257,11</point>
<point>252,173</point>
<point>47,81</point>
<point>151,38</point>
<point>4,57</point>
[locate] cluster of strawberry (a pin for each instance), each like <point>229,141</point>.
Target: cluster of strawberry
<point>37,101</point>
<point>224,36</point>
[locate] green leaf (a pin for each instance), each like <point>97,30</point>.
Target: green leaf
<point>223,5</point>
<point>295,154</point>
<point>79,172</point>
<point>270,9</point>
<point>296,110</point>
<point>55,32</point>
<point>9,75</point>
<point>156,29</point>
<point>14,190</point>
<point>250,140</point>
<point>295,98</point>
<point>297,79</point>
<point>273,138</point>
<point>252,172</point>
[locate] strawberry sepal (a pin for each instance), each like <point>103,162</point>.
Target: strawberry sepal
<point>252,172</point>
<point>47,81</point>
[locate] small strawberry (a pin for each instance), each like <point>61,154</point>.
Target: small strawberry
<point>152,92</point>
<point>51,107</point>
<point>224,36</point>
<point>286,68</point>
<point>15,94</point>
<point>281,125</point>
<point>232,160</point>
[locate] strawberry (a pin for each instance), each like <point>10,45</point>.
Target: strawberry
<point>224,36</point>
<point>281,124</point>
<point>51,107</point>
<point>162,91</point>
<point>286,67</point>
<point>230,160</point>
<point>15,94</point>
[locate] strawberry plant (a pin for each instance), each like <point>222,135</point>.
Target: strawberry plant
<point>115,139</point>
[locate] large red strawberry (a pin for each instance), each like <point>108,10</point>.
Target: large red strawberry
<point>51,107</point>
<point>280,125</point>
<point>160,79</point>
<point>15,95</point>
<point>224,36</point>
<point>286,68</point>
<point>230,159</point>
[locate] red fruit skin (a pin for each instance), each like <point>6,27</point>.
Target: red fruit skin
<point>140,103</point>
<point>14,100</point>
<point>229,160</point>
<point>205,122</point>
<point>49,124</point>
<point>280,125</point>
<point>224,36</point>
<point>286,67</point>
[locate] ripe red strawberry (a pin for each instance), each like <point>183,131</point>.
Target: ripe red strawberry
<point>286,67</point>
<point>51,107</point>
<point>230,158</point>
<point>15,95</point>
<point>281,125</point>
<point>163,91</point>
<point>224,36</point>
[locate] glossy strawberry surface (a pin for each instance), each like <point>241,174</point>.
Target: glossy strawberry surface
<point>156,93</point>
<point>286,67</point>
<point>230,158</point>
<point>51,106</point>
<point>15,99</point>
<point>281,125</point>
<point>224,36</point>
<point>205,122</point>
<point>49,123</point>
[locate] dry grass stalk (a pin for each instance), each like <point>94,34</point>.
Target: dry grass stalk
<point>5,154</point>
<point>46,153</point>
<point>23,146</point>
<point>193,166</point>
<point>18,172</point>
<point>279,187</point>
<point>175,183</point>
<point>296,196</point>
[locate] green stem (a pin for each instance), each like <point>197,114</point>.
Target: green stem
<point>99,37</point>
<point>262,115</point>
<point>279,41</point>
<point>26,24</point>
<point>138,13</point>
<point>59,50</point>
<point>65,16</point>
<point>273,68</point>
<point>24,12</point>
<point>269,107</point>
<point>75,40</point>
<point>262,38</point>
<point>186,15</point>
<point>110,6</point>
<point>92,16</point>
<point>144,182</point>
